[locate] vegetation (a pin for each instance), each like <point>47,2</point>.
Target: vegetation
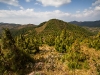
<point>29,45</point>
<point>95,42</point>
<point>13,60</point>
<point>53,47</point>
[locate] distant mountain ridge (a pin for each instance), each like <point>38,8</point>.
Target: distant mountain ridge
<point>87,23</point>
<point>13,26</point>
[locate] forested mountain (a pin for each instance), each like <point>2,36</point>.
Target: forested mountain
<point>55,26</point>
<point>87,23</point>
<point>54,47</point>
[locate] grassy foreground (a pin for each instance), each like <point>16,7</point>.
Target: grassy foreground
<point>50,62</point>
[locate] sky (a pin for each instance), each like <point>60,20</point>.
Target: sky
<point>37,11</point>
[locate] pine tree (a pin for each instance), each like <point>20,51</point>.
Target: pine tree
<point>60,42</point>
<point>7,40</point>
<point>14,59</point>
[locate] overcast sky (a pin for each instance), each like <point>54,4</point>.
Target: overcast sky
<point>37,11</point>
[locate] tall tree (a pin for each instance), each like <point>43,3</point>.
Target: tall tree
<point>14,59</point>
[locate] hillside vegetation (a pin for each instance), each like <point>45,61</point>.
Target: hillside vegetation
<point>55,26</point>
<point>54,47</point>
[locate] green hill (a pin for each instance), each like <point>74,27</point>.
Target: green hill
<point>55,26</point>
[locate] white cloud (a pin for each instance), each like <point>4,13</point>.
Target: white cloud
<point>89,13</point>
<point>97,2</point>
<point>28,0</point>
<point>55,3</point>
<point>21,8</point>
<point>97,8</point>
<point>10,2</point>
<point>30,16</point>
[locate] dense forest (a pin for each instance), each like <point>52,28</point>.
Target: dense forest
<point>54,47</point>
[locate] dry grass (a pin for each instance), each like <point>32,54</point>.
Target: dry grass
<point>94,59</point>
<point>40,29</point>
<point>48,62</point>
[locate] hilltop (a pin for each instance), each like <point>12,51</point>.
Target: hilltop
<point>55,26</point>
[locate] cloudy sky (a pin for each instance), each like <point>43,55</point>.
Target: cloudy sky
<point>37,11</point>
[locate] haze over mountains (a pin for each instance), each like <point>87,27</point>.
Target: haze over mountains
<point>87,23</point>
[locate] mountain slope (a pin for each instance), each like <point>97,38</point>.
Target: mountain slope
<point>55,26</point>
